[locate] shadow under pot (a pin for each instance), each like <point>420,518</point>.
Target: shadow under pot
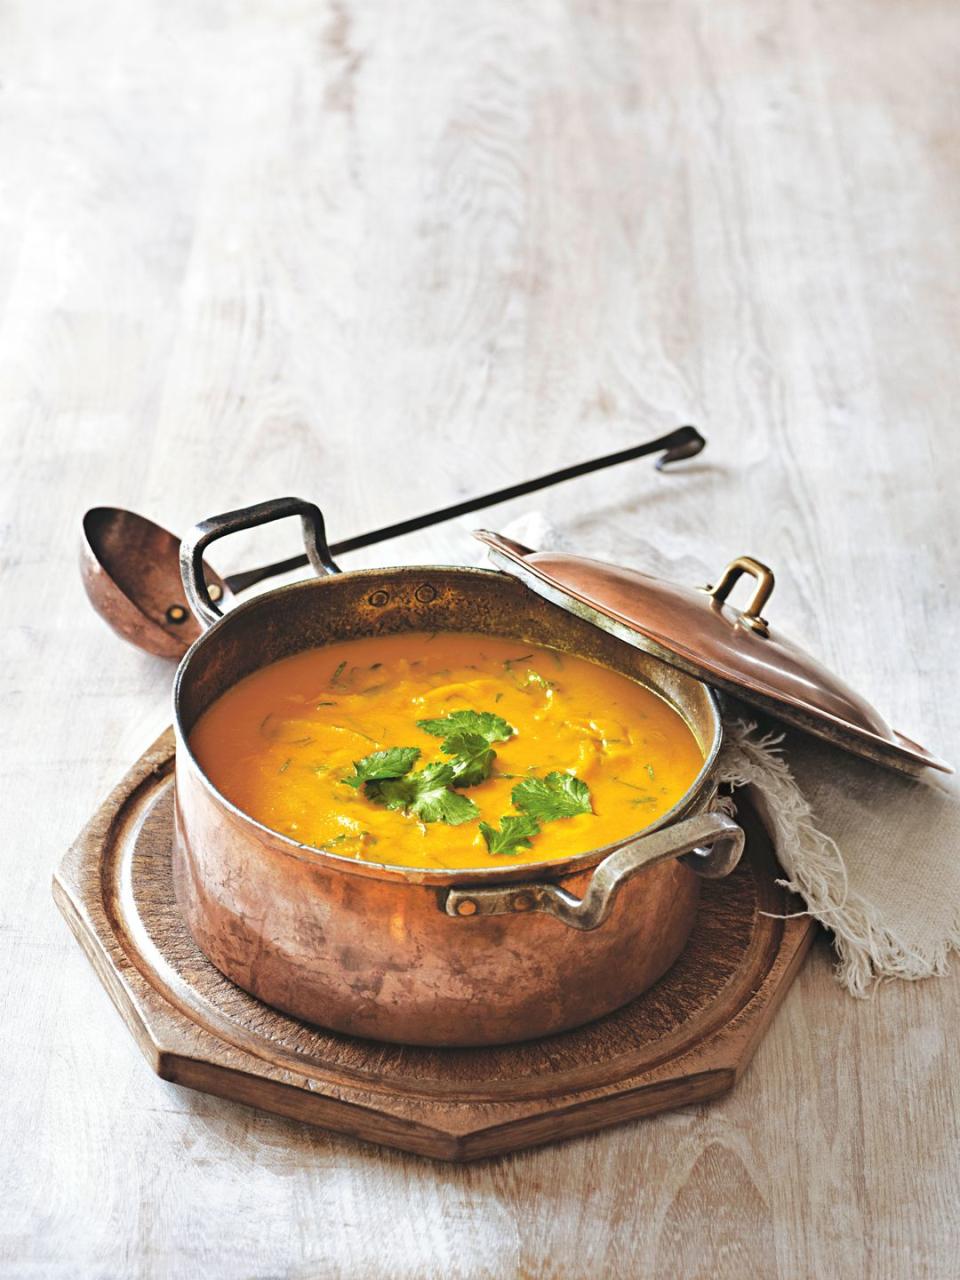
<point>412,955</point>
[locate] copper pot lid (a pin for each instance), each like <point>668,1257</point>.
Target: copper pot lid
<point>695,630</point>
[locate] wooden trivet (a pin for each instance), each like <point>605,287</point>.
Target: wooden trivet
<point>686,1040</point>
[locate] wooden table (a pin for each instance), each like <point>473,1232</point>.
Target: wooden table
<point>388,255</point>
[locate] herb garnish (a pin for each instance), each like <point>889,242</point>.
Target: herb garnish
<point>558,795</point>
<point>386,779</point>
<point>335,678</point>
<point>363,838</point>
<point>535,678</point>
<point>392,763</point>
<point>490,727</point>
<point>515,833</point>
<point>467,736</point>
<point>431,794</point>
<point>427,794</point>
<point>472,761</point>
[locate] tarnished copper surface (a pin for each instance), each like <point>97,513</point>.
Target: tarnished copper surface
<point>685,1040</point>
<point>131,573</point>
<point>711,843</point>
<point>368,949</point>
<point>698,632</point>
<point>378,958</point>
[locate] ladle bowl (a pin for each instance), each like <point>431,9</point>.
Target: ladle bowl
<point>131,573</point>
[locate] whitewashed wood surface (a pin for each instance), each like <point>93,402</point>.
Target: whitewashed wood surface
<point>385,256</point>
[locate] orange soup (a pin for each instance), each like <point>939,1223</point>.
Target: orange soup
<point>446,750</point>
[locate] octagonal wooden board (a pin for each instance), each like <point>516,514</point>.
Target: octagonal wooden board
<point>686,1040</point>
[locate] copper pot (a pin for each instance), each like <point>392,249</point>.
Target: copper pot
<point>412,955</point>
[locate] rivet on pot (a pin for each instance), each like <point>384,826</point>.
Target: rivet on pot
<point>425,594</point>
<point>522,902</point>
<point>176,614</point>
<point>213,591</point>
<point>378,598</point>
<point>467,907</point>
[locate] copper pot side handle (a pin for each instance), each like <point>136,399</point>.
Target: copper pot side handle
<point>710,843</point>
<point>201,535</point>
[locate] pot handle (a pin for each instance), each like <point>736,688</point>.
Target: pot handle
<point>207,531</point>
<point>710,844</point>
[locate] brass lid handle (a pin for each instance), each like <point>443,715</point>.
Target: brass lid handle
<point>750,616</point>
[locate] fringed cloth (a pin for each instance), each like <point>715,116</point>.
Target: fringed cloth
<point>874,855</point>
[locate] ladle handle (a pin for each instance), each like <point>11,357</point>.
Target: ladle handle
<point>201,535</point>
<point>709,843</point>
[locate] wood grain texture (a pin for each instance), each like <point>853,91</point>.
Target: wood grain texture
<point>689,1038</point>
<point>387,256</point>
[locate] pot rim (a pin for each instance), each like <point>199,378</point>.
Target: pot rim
<point>443,876</point>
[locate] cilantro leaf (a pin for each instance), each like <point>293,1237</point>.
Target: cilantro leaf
<point>467,736</point>
<point>447,806</point>
<point>516,832</point>
<point>472,760</point>
<point>426,794</point>
<point>558,795</point>
<point>392,763</point>
<point>488,726</point>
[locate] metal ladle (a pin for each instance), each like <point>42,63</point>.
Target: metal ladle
<point>131,566</point>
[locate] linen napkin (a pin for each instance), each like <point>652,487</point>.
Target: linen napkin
<point>874,855</point>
